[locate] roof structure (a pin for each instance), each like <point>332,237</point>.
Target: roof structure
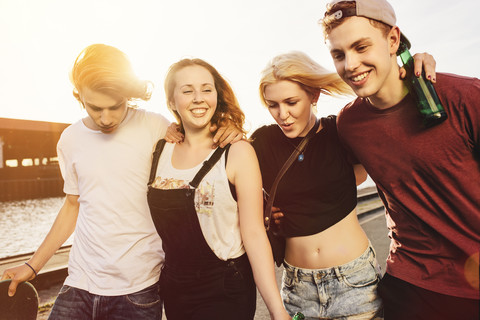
<point>29,139</point>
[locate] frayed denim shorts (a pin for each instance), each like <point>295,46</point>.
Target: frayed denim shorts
<point>348,291</point>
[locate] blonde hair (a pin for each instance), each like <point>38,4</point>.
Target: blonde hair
<point>298,67</point>
<point>228,108</point>
<point>106,69</point>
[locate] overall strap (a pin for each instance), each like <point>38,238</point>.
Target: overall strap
<point>156,155</point>
<point>208,165</point>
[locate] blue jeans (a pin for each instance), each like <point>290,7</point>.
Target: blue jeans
<point>348,291</point>
<point>77,304</point>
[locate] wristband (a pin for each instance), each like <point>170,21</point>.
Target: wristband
<point>35,272</point>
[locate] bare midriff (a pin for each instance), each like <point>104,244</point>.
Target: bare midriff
<point>337,245</point>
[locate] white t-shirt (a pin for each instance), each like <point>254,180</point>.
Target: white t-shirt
<point>216,208</point>
<point>116,249</point>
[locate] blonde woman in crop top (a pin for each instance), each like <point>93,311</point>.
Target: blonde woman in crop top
<point>330,266</point>
<point>206,229</point>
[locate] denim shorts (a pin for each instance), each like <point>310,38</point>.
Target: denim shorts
<point>77,304</point>
<point>348,291</point>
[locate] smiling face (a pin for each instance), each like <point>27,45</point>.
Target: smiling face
<point>364,57</point>
<point>105,113</point>
<point>290,106</point>
<point>194,97</point>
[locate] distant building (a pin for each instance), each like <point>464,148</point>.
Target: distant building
<point>28,159</point>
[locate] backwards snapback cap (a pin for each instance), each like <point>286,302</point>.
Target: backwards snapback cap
<point>379,10</point>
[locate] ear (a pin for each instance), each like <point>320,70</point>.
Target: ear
<point>315,96</point>
<point>79,97</point>
<point>394,40</point>
<point>172,106</point>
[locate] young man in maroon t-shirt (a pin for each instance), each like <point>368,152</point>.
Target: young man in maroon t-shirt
<point>428,179</point>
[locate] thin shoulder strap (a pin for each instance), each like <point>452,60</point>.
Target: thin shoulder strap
<point>156,155</point>
<point>267,213</point>
<point>208,165</point>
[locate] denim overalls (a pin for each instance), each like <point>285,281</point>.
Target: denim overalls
<point>195,283</point>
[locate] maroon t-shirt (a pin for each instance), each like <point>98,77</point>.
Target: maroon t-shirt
<point>429,181</point>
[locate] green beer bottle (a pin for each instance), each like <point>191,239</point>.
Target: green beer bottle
<point>298,316</point>
<point>427,100</point>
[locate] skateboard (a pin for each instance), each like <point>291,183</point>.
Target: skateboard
<point>22,306</point>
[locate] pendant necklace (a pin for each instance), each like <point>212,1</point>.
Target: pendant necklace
<point>301,156</point>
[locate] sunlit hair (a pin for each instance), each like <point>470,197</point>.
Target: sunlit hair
<point>106,69</point>
<point>329,22</point>
<point>228,107</point>
<point>298,67</point>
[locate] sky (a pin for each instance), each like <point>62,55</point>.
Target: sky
<point>40,39</point>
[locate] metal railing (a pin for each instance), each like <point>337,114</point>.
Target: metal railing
<point>56,268</point>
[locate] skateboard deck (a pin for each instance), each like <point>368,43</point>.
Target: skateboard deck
<point>22,306</point>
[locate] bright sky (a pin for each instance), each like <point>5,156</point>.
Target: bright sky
<point>40,39</point>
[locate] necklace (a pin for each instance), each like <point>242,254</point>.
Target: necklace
<point>301,156</point>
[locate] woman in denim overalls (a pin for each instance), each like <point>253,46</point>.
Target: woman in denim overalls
<point>208,211</point>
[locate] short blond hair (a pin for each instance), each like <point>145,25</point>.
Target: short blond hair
<point>106,69</point>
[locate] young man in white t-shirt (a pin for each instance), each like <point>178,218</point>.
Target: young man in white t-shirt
<point>116,256</point>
